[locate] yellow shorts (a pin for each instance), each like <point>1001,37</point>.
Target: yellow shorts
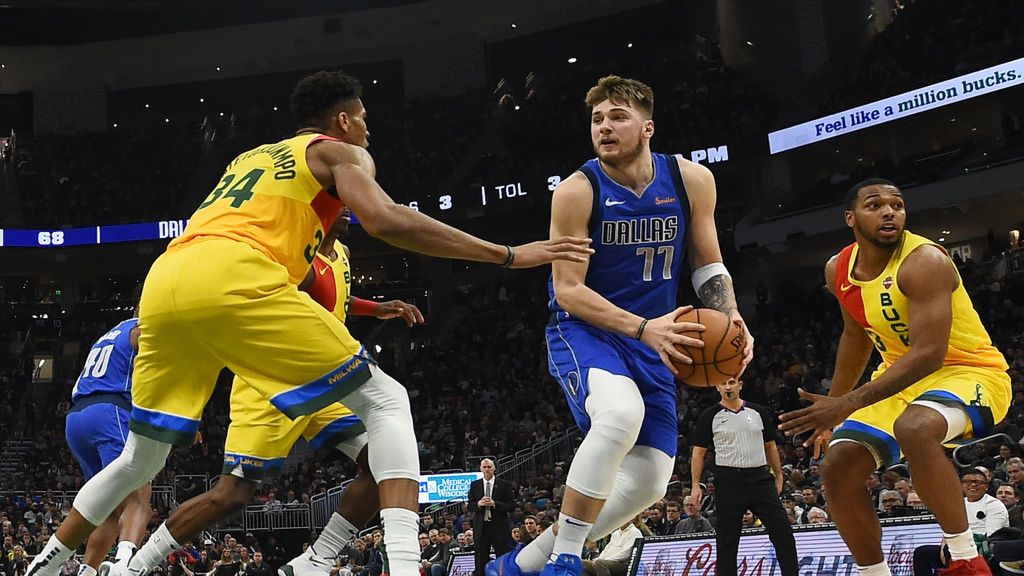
<point>982,393</point>
<point>260,436</point>
<point>213,303</point>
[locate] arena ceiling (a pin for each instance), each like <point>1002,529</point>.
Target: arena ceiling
<point>66,22</point>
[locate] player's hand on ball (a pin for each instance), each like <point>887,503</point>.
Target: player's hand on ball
<point>663,333</point>
<point>824,413</point>
<point>398,309</point>
<point>542,252</point>
<point>748,350</point>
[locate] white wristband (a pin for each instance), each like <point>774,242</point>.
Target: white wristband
<point>705,273</point>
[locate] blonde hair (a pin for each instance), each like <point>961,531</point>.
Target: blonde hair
<point>622,91</point>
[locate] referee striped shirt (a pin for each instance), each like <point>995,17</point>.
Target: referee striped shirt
<point>737,438</point>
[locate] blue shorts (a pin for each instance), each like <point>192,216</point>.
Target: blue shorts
<point>574,347</point>
<point>96,435</point>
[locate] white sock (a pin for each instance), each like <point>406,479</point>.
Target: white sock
<point>961,546</point>
<point>336,535</point>
<point>572,535</point>
<point>125,550</point>
<point>401,529</point>
<point>534,555</point>
<point>86,570</point>
<point>880,569</point>
<point>159,546</point>
<point>50,558</point>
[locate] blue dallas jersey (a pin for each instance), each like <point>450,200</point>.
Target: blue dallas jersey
<point>638,241</point>
<point>108,368</point>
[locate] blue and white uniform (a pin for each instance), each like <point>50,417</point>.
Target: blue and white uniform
<point>638,244</point>
<point>97,425</point>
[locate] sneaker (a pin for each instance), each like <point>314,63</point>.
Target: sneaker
<point>1015,567</point>
<point>306,564</point>
<point>564,565</point>
<point>505,565</point>
<point>974,567</point>
<point>118,568</point>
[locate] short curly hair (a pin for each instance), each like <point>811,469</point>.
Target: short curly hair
<point>317,96</point>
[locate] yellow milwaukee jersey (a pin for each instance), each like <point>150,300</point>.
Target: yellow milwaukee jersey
<point>269,199</point>
<point>882,309</point>
<point>332,286</point>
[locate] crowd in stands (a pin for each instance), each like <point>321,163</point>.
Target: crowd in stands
<point>113,177</point>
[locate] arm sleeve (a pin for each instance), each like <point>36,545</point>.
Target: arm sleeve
<point>771,427</point>
<point>703,434</point>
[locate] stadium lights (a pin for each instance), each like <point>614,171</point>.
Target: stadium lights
<point>147,105</point>
<point>167,120</point>
<point>946,232</point>
<point>218,68</point>
<point>377,348</point>
<point>517,106</point>
<point>749,43</point>
<point>275,108</point>
<point>115,124</point>
<point>201,100</point>
<point>630,45</point>
<point>514,25</point>
<point>942,238</point>
<point>374,81</point>
<point>572,60</point>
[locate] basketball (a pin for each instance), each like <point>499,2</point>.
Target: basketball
<point>722,354</point>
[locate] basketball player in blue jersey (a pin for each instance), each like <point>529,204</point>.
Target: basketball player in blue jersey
<point>96,430</point>
<point>612,336</point>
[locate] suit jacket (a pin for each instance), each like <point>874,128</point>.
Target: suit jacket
<point>503,496</point>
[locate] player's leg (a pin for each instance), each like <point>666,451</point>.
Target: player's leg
<point>317,363</point>
<point>338,428</point>
<point>188,520</point>
<point>615,412</point>
<point>98,545</point>
<point>957,402</point>
<point>173,378</point>
<point>862,444</point>
<point>84,432</point>
<point>258,440</point>
<point>135,511</point>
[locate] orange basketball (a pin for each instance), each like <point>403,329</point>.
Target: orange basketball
<point>722,354</point>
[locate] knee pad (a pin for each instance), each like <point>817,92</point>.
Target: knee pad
<point>383,405</point>
<point>616,411</point>
<point>642,480</point>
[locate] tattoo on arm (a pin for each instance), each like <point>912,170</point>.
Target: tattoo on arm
<point>718,293</point>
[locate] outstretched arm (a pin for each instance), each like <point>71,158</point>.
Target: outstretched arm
<point>345,167</point>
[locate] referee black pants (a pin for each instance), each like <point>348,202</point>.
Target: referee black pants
<point>738,490</point>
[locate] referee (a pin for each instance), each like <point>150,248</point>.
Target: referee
<point>742,436</point>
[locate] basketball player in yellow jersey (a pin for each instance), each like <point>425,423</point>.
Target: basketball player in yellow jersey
<point>260,437</point>
<point>941,379</point>
<point>225,294</point>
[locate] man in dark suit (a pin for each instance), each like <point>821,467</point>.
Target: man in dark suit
<point>490,500</point>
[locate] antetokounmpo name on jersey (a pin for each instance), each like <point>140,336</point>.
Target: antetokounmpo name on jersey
<point>648,230</point>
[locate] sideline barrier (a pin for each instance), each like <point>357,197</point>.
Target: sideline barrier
<point>820,551</point>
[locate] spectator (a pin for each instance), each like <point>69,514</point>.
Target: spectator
<point>903,487</point>
<point>672,518</point>
<point>891,504</point>
<point>817,516</point>
<point>914,502</point>
<point>614,559</point>
<point>694,522</point>
<point>985,515</point>
<point>656,520</point>
<point>258,567</point>
<point>1008,494</point>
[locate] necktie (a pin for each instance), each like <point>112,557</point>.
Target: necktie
<point>487,493</point>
